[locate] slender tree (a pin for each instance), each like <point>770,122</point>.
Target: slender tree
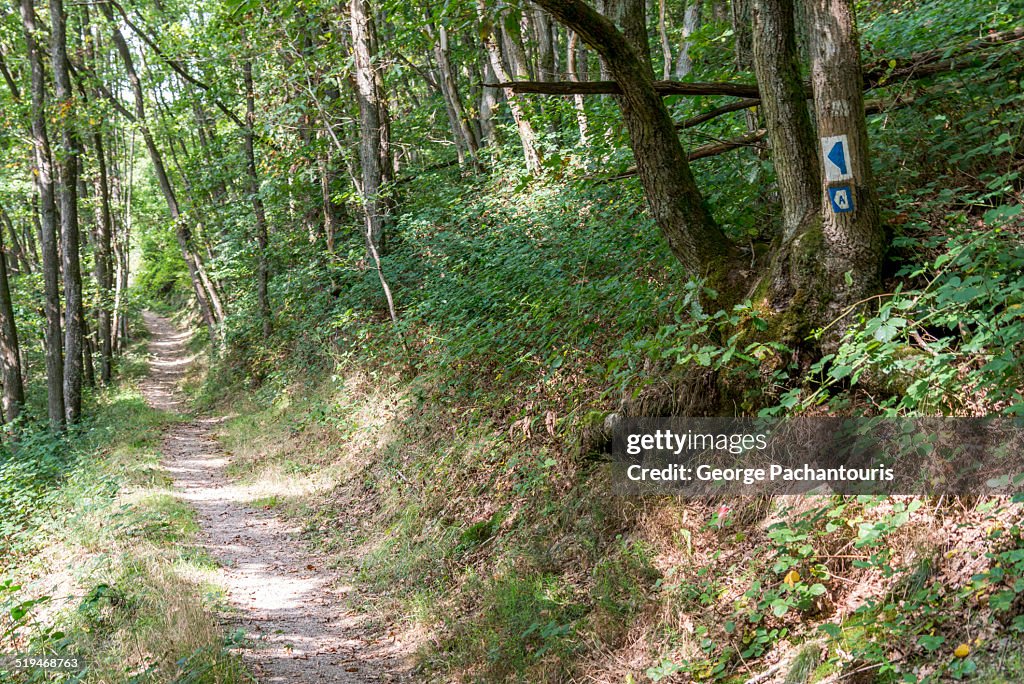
<point>48,239</point>
<point>784,102</point>
<point>527,137</point>
<point>67,157</point>
<point>374,124</point>
<point>258,209</point>
<point>10,356</point>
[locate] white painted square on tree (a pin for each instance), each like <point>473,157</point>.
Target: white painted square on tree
<point>835,155</point>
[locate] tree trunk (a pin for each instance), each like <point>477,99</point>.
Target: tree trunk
<point>851,230</point>
<point>48,225</point>
<point>666,46</point>
<point>258,210</point>
<point>784,102</point>
<point>545,46</point>
<point>634,27</point>
<point>450,90</point>
<point>571,57</point>
<point>691,22</point>
<point>70,240</point>
<point>742,19</point>
<point>10,356</point>
<point>102,266</point>
<point>492,43</point>
<point>374,126</point>
<point>672,195</point>
<point>488,103</point>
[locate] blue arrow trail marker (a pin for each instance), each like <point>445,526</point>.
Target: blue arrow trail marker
<point>835,150</point>
<point>838,156</point>
<point>841,199</point>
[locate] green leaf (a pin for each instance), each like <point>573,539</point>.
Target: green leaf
<point>931,643</point>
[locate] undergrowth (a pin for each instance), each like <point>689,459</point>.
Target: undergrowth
<point>458,477</point>
<point>99,561</point>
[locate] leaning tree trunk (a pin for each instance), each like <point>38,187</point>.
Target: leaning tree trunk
<point>449,88</point>
<point>854,243</point>
<point>71,261</point>
<point>672,194</point>
<point>48,224</point>
<point>10,359</point>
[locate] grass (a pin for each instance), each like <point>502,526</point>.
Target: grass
<point>113,559</point>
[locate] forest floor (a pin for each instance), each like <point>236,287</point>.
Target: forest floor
<point>285,597</point>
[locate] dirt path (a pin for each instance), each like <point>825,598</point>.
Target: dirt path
<point>286,599</point>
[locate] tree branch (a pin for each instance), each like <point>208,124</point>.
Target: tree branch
<point>612,88</point>
<point>719,111</point>
<point>175,64</point>
<point>709,150</point>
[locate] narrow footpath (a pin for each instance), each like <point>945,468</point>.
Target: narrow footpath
<point>284,596</point>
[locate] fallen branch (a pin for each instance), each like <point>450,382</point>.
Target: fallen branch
<point>876,74</point>
<point>883,72</point>
<point>612,88</point>
<point>710,150</point>
<point>719,111</point>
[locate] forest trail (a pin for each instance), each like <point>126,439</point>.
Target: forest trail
<point>283,595</point>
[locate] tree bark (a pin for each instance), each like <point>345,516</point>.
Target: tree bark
<point>853,240</point>
<point>545,46</point>
<point>52,341</point>
<point>666,46</point>
<point>571,59</point>
<point>70,239</point>
<point>102,266</point>
<point>691,22</point>
<point>634,28</point>
<point>784,102</point>
<point>450,90</point>
<point>374,126</point>
<point>488,104</point>
<point>10,355</point>
<point>258,209</point>
<point>672,195</point>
